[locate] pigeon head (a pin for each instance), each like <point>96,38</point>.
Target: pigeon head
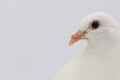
<point>96,27</point>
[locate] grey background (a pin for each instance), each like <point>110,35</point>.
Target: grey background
<point>34,35</point>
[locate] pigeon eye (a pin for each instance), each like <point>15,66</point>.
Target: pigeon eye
<point>94,25</point>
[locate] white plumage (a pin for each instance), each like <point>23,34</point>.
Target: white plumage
<point>101,58</point>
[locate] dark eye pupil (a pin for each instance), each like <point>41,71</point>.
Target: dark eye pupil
<point>95,25</point>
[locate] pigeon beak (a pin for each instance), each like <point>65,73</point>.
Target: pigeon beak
<point>77,36</point>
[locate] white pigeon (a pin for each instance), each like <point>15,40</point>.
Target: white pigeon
<point>101,58</point>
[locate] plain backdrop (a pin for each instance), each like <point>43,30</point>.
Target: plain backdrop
<point>34,35</point>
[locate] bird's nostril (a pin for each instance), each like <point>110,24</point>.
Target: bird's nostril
<point>74,37</point>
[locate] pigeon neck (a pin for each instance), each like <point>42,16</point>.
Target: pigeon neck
<point>111,46</point>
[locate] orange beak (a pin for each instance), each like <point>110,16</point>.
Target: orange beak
<point>77,36</point>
